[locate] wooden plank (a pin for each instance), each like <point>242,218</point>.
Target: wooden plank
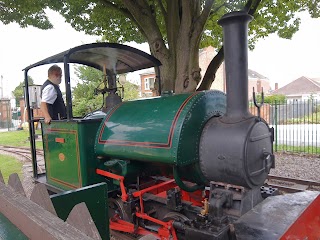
<point>33,220</point>
<point>120,236</point>
<point>41,197</point>
<point>81,219</point>
<point>15,183</point>
<point>1,178</point>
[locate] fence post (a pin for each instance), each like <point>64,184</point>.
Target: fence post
<point>8,113</point>
<point>276,125</point>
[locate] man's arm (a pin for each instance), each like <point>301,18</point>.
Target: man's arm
<point>49,95</point>
<point>44,109</point>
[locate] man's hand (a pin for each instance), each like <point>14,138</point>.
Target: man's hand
<point>47,120</point>
<point>44,109</point>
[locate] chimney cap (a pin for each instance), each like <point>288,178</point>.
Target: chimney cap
<point>230,17</point>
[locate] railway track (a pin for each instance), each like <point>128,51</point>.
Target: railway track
<point>25,155</point>
<point>292,185</point>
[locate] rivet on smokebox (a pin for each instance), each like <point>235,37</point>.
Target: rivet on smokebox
<point>62,157</point>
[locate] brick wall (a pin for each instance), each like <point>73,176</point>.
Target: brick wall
<point>5,110</point>
<point>258,84</point>
<point>147,92</point>
<point>264,111</point>
<point>205,57</point>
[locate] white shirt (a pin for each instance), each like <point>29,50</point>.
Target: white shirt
<point>49,94</point>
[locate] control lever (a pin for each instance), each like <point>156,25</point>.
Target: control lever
<point>258,105</point>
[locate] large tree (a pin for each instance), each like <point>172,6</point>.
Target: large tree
<point>174,29</point>
<point>18,92</point>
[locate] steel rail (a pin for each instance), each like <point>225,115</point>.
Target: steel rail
<point>291,185</point>
<point>294,180</point>
<point>21,149</point>
<point>26,154</point>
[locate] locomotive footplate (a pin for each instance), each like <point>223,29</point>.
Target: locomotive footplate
<point>210,232</point>
<point>290,216</point>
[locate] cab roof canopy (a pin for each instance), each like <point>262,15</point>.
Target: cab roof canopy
<point>116,58</point>
<point>110,57</point>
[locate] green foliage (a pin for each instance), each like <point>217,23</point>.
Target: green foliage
<point>271,17</point>
<point>158,22</point>
<point>313,118</point>
<point>114,21</point>
<point>296,149</point>
<point>272,99</point>
<point>25,13</point>
<point>131,91</point>
<point>18,92</point>
<point>84,99</point>
<point>9,165</point>
<point>277,98</point>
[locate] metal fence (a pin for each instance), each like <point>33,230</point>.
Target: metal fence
<point>296,124</point>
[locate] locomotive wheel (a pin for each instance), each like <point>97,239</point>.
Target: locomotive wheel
<point>175,216</point>
<point>116,207</point>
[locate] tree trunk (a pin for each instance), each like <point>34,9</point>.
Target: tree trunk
<point>212,69</point>
<point>188,71</point>
<point>185,22</point>
<point>183,46</point>
<point>180,71</point>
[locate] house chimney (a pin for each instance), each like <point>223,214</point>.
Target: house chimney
<point>259,90</point>
<point>276,86</point>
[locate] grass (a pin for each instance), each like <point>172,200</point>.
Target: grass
<point>9,165</point>
<point>18,139</point>
<point>297,149</point>
<point>313,118</point>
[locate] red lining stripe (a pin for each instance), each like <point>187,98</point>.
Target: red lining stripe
<point>64,183</point>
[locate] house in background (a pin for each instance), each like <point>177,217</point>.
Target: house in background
<point>302,88</point>
<point>258,82</point>
<point>255,80</point>
<point>5,113</point>
<point>205,57</point>
<point>147,80</point>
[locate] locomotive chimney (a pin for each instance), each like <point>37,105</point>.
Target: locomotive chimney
<point>235,28</point>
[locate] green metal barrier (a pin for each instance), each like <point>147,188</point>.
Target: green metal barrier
<point>94,196</point>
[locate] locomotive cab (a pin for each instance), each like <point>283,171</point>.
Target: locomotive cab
<point>68,144</point>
